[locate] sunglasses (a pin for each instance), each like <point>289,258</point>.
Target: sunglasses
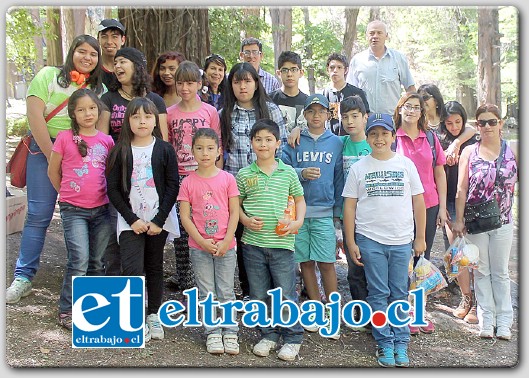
<point>426,96</point>
<point>483,122</point>
<point>214,57</point>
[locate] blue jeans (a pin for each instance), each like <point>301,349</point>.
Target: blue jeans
<point>386,285</point>
<point>41,204</point>
<point>215,274</point>
<point>270,268</point>
<point>86,233</point>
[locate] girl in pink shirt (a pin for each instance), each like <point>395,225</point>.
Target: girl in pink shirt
<point>184,119</point>
<point>410,122</point>
<point>77,172</point>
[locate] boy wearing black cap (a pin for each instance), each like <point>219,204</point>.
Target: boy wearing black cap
<point>111,36</point>
<point>318,162</point>
<point>380,187</point>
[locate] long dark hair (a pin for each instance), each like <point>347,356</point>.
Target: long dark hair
<point>94,81</point>
<point>158,86</point>
<point>451,107</point>
<point>122,147</point>
<point>141,81</point>
<point>397,118</point>
<point>433,91</point>
<point>72,103</point>
<point>241,71</point>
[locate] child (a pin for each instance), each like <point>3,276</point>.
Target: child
<point>213,195</point>
<point>289,98</point>
<point>184,119</point>
<point>379,187</point>
<point>355,147</point>
<point>245,102</point>
<point>77,172</point>
<point>269,259</point>
<point>319,164</point>
<point>142,176</point>
<point>339,89</point>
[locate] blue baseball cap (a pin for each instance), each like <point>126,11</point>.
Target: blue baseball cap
<point>316,99</point>
<point>380,119</point>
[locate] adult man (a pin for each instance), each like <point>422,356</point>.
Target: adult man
<point>111,36</point>
<point>380,71</point>
<point>252,52</point>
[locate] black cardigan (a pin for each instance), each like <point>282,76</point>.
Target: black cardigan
<point>165,175</point>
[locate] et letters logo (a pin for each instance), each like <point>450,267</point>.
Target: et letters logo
<point>108,312</point>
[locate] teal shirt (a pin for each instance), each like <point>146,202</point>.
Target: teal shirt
<point>352,152</point>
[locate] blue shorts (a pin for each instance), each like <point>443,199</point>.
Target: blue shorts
<point>316,241</point>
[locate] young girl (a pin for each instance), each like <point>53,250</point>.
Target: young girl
<point>214,197</point>
<point>142,185</point>
<point>184,119</point>
<point>77,172</point>
<point>411,139</point>
<point>245,102</point>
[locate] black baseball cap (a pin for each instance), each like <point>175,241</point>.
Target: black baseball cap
<point>111,24</point>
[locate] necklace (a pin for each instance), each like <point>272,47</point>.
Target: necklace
<point>431,126</point>
<point>128,95</point>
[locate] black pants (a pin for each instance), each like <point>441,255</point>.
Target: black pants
<point>144,253</point>
<point>112,255</point>
<point>243,277</point>
<point>356,276</point>
<point>431,229</point>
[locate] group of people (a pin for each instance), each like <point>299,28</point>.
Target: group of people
<point>207,159</point>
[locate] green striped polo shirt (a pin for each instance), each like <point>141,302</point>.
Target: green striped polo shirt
<point>266,197</point>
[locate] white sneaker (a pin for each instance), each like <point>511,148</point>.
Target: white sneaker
<point>487,332</point>
<point>20,287</point>
<point>147,333</point>
<point>334,337</point>
<point>231,343</point>
<point>214,344</point>
<point>263,347</point>
<point>157,332</point>
<point>503,333</point>
<point>289,352</point>
<point>312,328</point>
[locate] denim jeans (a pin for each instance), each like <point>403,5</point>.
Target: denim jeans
<point>493,285</point>
<point>215,274</point>
<point>86,233</point>
<point>386,268</point>
<point>41,204</point>
<point>270,268</point>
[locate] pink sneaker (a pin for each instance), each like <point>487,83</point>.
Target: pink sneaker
<point>414,331</point>
<point>429,328</point>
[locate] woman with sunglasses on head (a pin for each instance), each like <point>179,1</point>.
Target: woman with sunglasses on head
<point>435,114</point>
<point>215,80</point>
<point>413,141</point>
<point>481,179</point>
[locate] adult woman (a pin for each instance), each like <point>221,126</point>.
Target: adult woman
<point>479,180</point>
<point>49,90</point>
<point>452,127</point>
<point>412,141</point>
<point>163,76</point>
<point>215,74</point>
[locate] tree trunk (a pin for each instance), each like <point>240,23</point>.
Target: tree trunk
<point>489,81</point>
<point>281,30</point>
<point>308,52</point>
<point>349,37</point>
<point>54,56</point>
<point>37,40</point>
<point>155,30</point>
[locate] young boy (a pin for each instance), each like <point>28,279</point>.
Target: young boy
<point>355,147</point>
<point>264,188</point>
<point>289,98</point>
<point>339,89</point>
<point>380,187</point>
<point>319,165</point>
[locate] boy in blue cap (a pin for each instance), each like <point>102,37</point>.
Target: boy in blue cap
<point>380,187</point>
<point>318,162</point>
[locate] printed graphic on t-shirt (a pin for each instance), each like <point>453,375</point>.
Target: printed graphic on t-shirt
<point>116,118</point>
<point>211,223</point>
<point>293,116</point>
<point>348,161</point>
<point>143,182</point>
<point>95,157</point>
<point>384,184</point>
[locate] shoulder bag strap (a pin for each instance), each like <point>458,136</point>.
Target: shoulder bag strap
<point>54,112</point>
<point>499,160</point>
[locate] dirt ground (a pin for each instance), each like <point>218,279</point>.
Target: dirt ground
<point>33,338</point>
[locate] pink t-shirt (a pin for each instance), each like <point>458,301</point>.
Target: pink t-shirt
<point>183,125</point>
<point>420,152</point>
<point>83,182</point>
<point>209,199</point>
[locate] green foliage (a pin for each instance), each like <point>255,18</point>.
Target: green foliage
<point>17,126</point>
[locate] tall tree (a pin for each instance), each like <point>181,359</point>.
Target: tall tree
<point>154,30</point>
<point>54,55</point>
<point>281,30</point>
<point>74,20</point>
<point>489,81</point>
<point>308,52</point>
<point>349,37</point>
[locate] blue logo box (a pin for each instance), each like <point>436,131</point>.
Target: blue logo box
<point>108,312</point>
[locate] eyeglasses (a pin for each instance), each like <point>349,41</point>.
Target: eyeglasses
<point>312,112</point>
<point>251,52</point>
<point>287,70</point>
<point>483,122</point>
<point>411,108</point>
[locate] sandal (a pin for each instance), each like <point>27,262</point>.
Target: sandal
<point>65,320</point>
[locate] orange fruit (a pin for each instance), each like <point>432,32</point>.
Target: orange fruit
<point>464,261</point>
